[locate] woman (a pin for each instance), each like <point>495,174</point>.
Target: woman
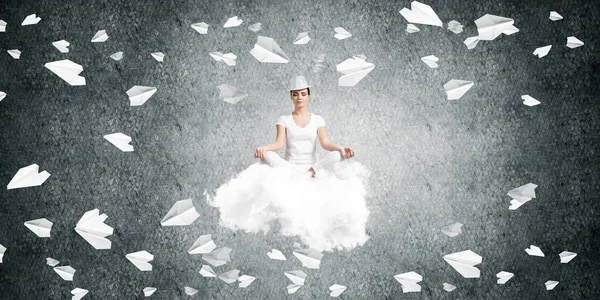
<point>298,132</point>
<point>326,212</point>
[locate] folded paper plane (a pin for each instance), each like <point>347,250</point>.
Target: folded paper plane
<point>542,51</point>
<point>207,271</point>
<point>138,95</point>
<point>62,46</point>
<point>2,95</point>
<point>464,263</point>
<point>148,291</point>
<point>65,272</point>
<point>297,277</point>
<point>141,260</point>
<point>201,27</point>
<point>471,42</point>
<point>120,141</point>
<point>27,177</point>
<point>503,277</point>
<point>100,37</point>
<point>409,282</point>
<point>31,20</point>
<point>233,22</point>
<point>430,61</point>
<point>255,27</point>
<point>78,293</point>
<point>203,245</point>
<point>455,88</point>
<point>302,39</point>
<point>354,70</point>
<point>231,94</point>
<point>448,287</point>
<point>550,284</point>
<point>524,193</point>
<point>228,58</point>
<point>218,257</point>
<point>420,13</point>
<point>310,258</point>
<point>573,42</point>
<point>529,101</point>
<point>336,290</point>
<point>41,227</point>
<point>2,26</point>
<point>15,53</point>
<point>68,71</point>
<point>91,227</point>
<point>117,55</point>
<point>554,16</point>
<point>276,254</point>
<point>411,28</point>
<point>190,290</point>
<point>183,213</point>
<point>452,230</point>
<point>491,26</point>
<point>230,276</point>
<point>534,251</point>
<point>455,27</point>
<point>51,261</point>
<point>2,251</point>
<point>159,56</point>
<point>245,280</point>
<point>341,33</point>
<point>292,288</point>
<point>266,50</point>
<point>566,256</point>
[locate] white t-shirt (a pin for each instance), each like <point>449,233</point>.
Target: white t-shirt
<point>301,143</point>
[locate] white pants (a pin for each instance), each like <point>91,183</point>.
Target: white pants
<point>327,162</point>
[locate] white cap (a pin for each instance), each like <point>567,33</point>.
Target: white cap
<point>298,83</point>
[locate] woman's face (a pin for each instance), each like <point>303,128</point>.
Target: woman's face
<point>300,97</point>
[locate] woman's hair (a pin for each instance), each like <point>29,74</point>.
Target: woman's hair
<point>307,89</point>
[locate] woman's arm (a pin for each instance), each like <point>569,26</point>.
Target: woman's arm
<point>325,142</point>
<point>279,141</point>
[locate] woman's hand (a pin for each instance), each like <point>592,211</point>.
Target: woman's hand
<point>260,152</point>
<point>346,152</point>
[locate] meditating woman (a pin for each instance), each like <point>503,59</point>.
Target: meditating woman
<point>320,201</point>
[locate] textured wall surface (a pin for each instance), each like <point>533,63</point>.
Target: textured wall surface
<point>434,162</point>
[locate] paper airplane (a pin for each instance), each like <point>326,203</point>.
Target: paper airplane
<point>91,227</point>
<point>31,20</point>
<point>471,42</point>
<point>100,37</point>
<point>452,230</point>
<point>297,277</point>
<point>2,95</point>
<point>302,38</point>
<point>464,263</point>
<point>65,272</point>
<point>204,244</point>
<point>255,27</point>
<point>201,27</point>
<point>117,55</point>
<point>455,88</point>
<point>503,277</point>
<point>566,256</point>
<point>266,50</point>
<point>430,61</point>
<point>341,33</point>
<point>141,260</point>
<point>230,276</point>
<point>2,251</point>
<point>524,193</point>
<point>491,26</point>
<point>62,46</point>
<point>420,13</point>
<point>159,56</point>
<point>190,291</point>
<point>510,30</point>
<point>2,26</point>
<point>573,42</point>
<point>183,213</point>
<point>554,16</point>
<point>231,94</point>
<point>354,70</point>
<point>534,251</point>
<point>310,258</point>
<point>542,51</point>
<point>207,271</point>
<point>120,141</point>
<point>148,291</point>
<point>228,58</point>
<point>276,254</point>
<point>448,287</point>
<point>550,284</point>
<point>67,70</point>
<point>51,261</point>
<point>409,281</point>
<point>138,95</point>
<point>27,177</point>
<point>529,101</point>
<point>292,288</point>
<point>218,257</point>
<point>15,53</point>
<point>41,227</point>
<point>411,28</point>
<point>78,293</point>
<point>336,290</point>
<point>246,280</point>
<point>455,27</point>
<point>233,22</point>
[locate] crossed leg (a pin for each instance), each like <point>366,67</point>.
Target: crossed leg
<point>327,162</point>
